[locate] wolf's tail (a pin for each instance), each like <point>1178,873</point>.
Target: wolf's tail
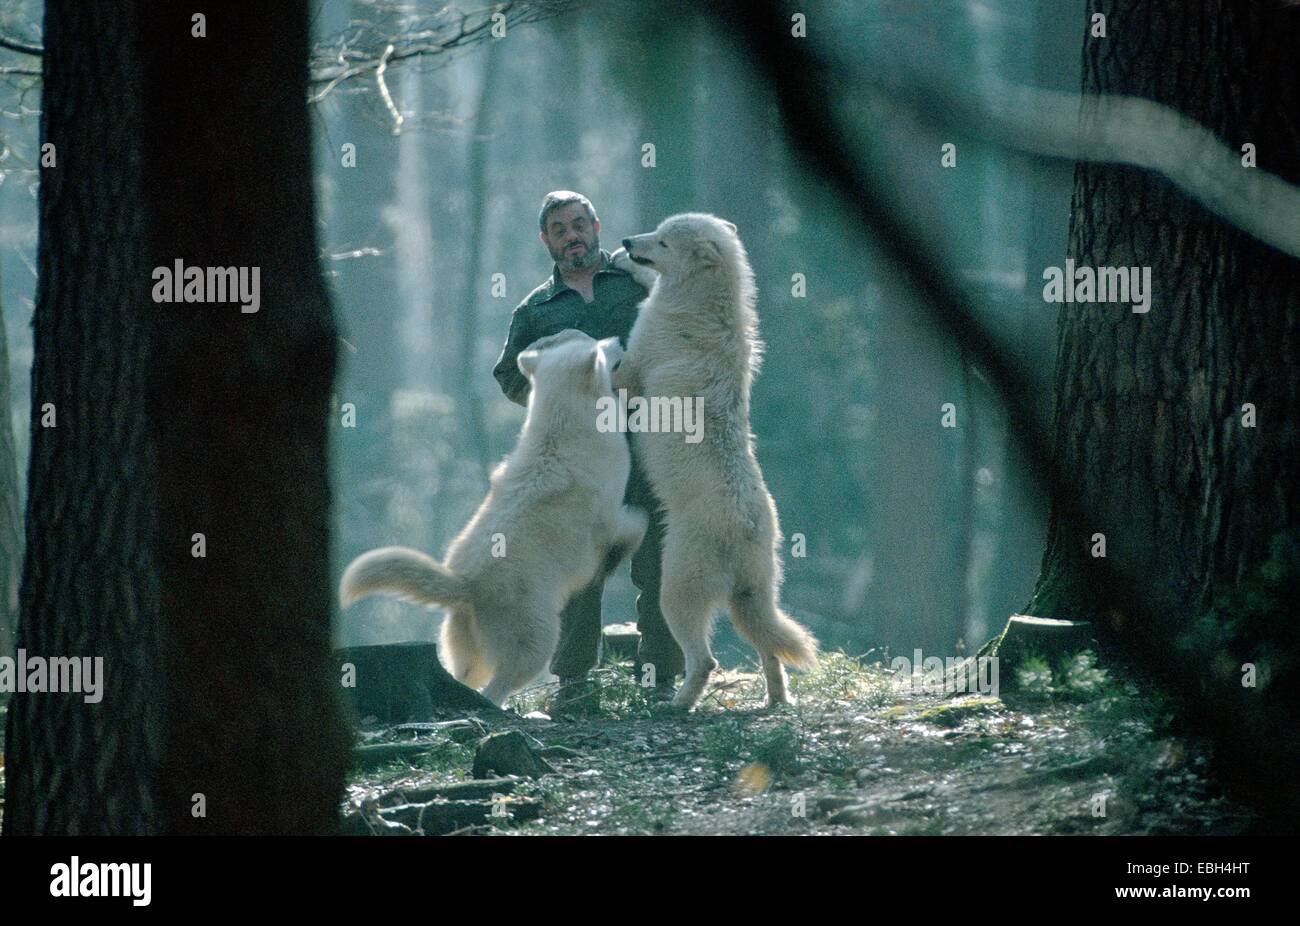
<point>403,572</point>
<point>771,631</point>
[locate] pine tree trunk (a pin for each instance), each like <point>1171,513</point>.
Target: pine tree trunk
<point>89,578</point>
<point>11,519</point>
<point>1149,407</point>
<point>176,420</point>
<point>240,402</point>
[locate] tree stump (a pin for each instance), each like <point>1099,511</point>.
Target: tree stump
<point>400,682</point>
<point>621,641</point>
<point>1025,635</point>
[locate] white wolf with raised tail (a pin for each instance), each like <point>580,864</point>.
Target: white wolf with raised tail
<point>553,518</point>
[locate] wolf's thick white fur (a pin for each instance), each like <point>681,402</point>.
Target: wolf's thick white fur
<point>696,334</point>
<point>556,501</point>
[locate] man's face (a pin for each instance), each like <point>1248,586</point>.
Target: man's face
<point>572,238</point>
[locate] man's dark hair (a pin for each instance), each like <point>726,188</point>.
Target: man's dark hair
<point>557,198</point>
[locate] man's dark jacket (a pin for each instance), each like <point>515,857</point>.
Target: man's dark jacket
<point>553,306</point>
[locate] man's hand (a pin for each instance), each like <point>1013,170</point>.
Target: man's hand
<point>643,275</point>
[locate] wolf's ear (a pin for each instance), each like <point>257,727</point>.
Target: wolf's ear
<point>707,252</point>
<point>528,362</point>
<point>731,227</point>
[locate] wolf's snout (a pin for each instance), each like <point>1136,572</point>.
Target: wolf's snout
<point>627,243</point>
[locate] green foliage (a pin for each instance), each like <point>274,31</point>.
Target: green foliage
<point>1034,678</point>
<point>1082,678</point>
<point>839,676</point>
<point>444,757</point>
<point>732,742</point>
<point>620,695</point>
<point>612,693</point>
<point>642,816</point>
<point>1076,677</point>
<point>1254,622</point>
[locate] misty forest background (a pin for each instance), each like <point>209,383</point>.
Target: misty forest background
<point>915,534</point>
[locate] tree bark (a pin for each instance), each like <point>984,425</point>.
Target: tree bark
<point>1149,407</point>
<point>176,420</point>
<point>89,586</point>
<point>240,405</point>
<point>11,523</point>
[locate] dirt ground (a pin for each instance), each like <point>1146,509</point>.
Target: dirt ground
<point>863,752</point>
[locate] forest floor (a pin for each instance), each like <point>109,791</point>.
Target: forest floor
<point>1075,752</point>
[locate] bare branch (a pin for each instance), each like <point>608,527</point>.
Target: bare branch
<point>18,45</point>
<point>343,57</point>
<point>383,90</point>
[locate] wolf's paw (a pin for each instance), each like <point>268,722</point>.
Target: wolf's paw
<point>684,703</point>
<point>621,261</point>
<point>666,709</point>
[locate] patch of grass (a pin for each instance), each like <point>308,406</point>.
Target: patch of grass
<point>446,758</point>
<point>731,742</point>
<point>839,676</point>
<point>1081,678</point>
<point>612,694</point>
<point>1076,677</point>
<point>621,696</point>
<point>778,748</point>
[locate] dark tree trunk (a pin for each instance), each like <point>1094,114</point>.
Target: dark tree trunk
<point>240,402</point>
<point>175,420</point>
<point>89,578</point>
<point>11,522</point>
<point>1149,407</point>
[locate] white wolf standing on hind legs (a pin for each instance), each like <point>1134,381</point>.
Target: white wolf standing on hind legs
<point>557,500</point>
<point>696,334</point>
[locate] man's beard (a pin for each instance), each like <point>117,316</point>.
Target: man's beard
<point>570,261</point>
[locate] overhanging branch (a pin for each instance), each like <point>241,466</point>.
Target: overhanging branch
<point>1110,129</point>
<point>20,46</point>
<point>365,51</point>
